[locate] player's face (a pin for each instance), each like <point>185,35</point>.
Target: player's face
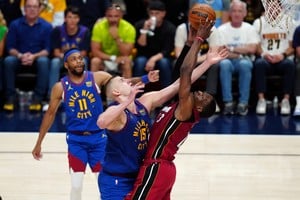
<point>75,64</point>
<point>123,85</point>
<point>201,99</point>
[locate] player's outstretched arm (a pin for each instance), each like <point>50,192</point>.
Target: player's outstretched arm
<point>213,56</point>
<point>158,98</point>
<point>151,77</point>
<point>113,117</point>
<point>56,95</point>
<point>185,106</point>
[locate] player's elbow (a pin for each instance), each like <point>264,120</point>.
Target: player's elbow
<point>102,123</point>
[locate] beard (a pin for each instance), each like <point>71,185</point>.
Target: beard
<point>77,73</point>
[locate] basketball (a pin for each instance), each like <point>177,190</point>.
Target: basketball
<point>198,14</point>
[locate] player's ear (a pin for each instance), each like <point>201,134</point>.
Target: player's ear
<point>200,109</point>
<point>116,92</point>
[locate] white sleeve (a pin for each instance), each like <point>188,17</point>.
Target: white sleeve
<point>221,33</point>
<point>180,35</point>
<point>253,35</point>
<point>214,39</point>
<point>256,25</point>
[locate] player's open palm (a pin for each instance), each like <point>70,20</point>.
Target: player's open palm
<point>216,54</point>
<point>135,89</point>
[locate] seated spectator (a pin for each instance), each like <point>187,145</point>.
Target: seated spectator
<point>51,10</point>
<point>241,39</point>
<point>69,35</point>
<point>274,49</point>
<point>90,10</point>
<point>3,33</point>
<point>212,74</point>
<point>154,44</point>
<point>296,45</point>
<point>112,43</point>
<point>28,45</point>
<point>221,8</point>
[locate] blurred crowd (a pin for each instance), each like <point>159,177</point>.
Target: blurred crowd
<point>131,37</point>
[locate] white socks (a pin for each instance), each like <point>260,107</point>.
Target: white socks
<point>76,185</point>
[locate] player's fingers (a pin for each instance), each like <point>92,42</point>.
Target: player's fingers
<point>37,156</point>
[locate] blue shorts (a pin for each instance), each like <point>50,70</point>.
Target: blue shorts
<point>114,187</point>
<point>83,149</point>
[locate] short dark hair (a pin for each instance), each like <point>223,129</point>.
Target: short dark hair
<point>209,109</point>
<point>156,5</point>
<point>72,9</point>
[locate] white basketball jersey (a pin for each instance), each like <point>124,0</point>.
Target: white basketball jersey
<point>274,40</point>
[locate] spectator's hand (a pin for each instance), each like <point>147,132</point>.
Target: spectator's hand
<point>270,58</point>
<point>216,54</point>
<point>150,65</point>
<point>153,75</point>
<point>113,30</point>
<point>277,58</point>
<point>147,24</point>
<point>123,59</point>
<point>27,59</point>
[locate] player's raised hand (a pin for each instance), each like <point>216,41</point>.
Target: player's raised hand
<point>135,89</point>
<point>204,29</point>
<point>216,54</point>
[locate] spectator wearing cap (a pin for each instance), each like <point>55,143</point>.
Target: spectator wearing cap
<point>154,44</point>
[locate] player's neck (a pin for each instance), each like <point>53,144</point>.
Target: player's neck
<point>76,79</point>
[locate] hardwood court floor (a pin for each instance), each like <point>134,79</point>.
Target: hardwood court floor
<point>209,167</point>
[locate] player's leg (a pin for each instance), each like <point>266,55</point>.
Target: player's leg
<point>76,185</point>
<point>97,143</point>
<point>77,156</point>
<point>154,181</point>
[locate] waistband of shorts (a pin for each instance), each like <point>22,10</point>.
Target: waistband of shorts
<point>123,175</point>
<point>84,132</point>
